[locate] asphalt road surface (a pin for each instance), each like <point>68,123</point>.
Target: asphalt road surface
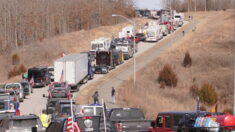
<point>35,103</point>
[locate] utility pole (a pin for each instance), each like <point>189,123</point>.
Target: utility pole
<point>205,5</point>
<point>234,74</point>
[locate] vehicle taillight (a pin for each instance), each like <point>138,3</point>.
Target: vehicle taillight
<point>14,99</point>
<point>119,126</point>
<point>87,117</point>
<point>61,115</point>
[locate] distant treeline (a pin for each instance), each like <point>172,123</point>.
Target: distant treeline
<point>201,5</point>
<point>26,21</point>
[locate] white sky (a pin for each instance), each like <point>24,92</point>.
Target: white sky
<point>150,4</point>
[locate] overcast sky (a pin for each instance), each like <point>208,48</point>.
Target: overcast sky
<point>150,4</point>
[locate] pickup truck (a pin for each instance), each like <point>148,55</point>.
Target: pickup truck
<point>128,120</point>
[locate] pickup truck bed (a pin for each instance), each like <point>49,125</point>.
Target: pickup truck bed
<point>129,120</point>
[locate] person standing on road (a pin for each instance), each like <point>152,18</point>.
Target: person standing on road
<point>96,96</point>
<point>113,93</point>
<point>45,119</point>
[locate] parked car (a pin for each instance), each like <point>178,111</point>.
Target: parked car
<point>141,36</point>
<point>18,88</point>
<point>25,123</point>
<point>101,69</point>
<point>27,87</point>
<point>128,119</point>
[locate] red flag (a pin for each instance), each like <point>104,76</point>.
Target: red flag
<point>32,81</point>
<point>72,126</point>
<point>62,76</point>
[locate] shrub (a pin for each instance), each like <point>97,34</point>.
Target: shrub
<point>202,108</point>
<point>17,71</point>
<point>208,94</point>
<point>22,69</point>
<point>228,110</point>
<point>194,91</point>
<point>15,59</point>
<point>187,60</point>
<point>167,76</point>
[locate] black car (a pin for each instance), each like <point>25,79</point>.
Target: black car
<point>141,36</point>
<point>101,69</point>
<point>40,76</point>
<point>21,123</point>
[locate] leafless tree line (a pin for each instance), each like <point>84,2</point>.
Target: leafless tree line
<point>26,21</point>
<point>199,5</point>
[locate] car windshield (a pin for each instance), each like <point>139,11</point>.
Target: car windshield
<point>59,85</point>
<point>66,110</point>
<point>51,103</point>
<point>59,93</point>
<point>177,17</point>
<point>12,86</point>
<point>24,123</point>
<point>35,74</point>
<point>126,114</point>
<point>25,85</point>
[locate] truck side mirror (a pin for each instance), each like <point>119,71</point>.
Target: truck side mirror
<point>43,95</point>
<point>153,124</point>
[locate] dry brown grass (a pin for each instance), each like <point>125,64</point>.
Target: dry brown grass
<point>45,52</point>
<point>211,49</point>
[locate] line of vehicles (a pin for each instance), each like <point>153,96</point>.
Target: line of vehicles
<point>73,70</point>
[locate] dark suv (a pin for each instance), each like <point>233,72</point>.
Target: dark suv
<point>40,76</point>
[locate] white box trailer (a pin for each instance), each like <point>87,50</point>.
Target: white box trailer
<point>72,68</point>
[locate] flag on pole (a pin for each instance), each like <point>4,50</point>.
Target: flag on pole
<point>72,126</point>
<point>17,112</point>
<point>32,81</point>
<point>104,114</point>
<point>62,76</point>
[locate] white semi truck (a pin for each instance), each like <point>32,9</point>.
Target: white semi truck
<point>74,69</point>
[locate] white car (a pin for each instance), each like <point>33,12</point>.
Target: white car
<point>16,87</point>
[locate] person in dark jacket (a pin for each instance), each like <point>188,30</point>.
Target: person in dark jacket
<point>113,93</point>
<point>95,97</point>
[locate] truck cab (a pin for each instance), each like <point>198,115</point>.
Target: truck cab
<point>171,121</point>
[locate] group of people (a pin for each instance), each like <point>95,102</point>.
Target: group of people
<point>96,96</point>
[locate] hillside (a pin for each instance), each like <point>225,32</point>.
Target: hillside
<point>212,50</point>
<point>43,53</point>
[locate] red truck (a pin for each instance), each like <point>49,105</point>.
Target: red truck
<point>185,121</point>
